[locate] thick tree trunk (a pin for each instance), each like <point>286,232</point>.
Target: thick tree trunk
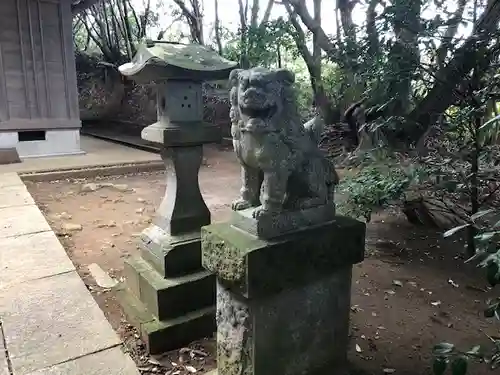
<point>218,38</point>
<point>404,58</point>
<point>473,53</point>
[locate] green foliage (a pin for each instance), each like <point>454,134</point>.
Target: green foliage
<point>263,45</point>
<point>487,256</point>
<point>112,29</point>
<point>375,187</point>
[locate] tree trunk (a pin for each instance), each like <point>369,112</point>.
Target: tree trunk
<point>404,57</point>
<point>345,8</point>
<point>473,53</point>
<point>194,19</point>
<point>218,38</point>
<point>451,31</point>
<point>243,9</point>
<point>371,30</point>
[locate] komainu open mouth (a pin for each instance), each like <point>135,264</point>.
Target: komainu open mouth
<point>258,112</point>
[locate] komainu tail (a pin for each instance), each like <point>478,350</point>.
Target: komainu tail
<point>314,128</point>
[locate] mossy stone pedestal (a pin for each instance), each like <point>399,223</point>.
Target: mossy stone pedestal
<point>167,294</point>
<point>283,305</point>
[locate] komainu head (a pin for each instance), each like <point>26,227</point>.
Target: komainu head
<point>263,98</point>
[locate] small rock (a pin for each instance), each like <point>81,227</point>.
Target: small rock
<point>101,277</point>
<point>140,210</point>
<point>119,187</point>
<point>397,283</point>
<point>141,200</point>
<point>71,227</point>
<point>111,224</point>
<point>63,216</point>
<point>131,222</point>
<point>89,187</point>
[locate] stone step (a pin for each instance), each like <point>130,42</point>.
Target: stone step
<point>172,256</point>
<point>163,336</point>
<point>168,298</point>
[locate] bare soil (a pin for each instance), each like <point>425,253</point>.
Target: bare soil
<point>412,291</point>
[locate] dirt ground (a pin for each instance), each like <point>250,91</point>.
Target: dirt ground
<point>412,291</point>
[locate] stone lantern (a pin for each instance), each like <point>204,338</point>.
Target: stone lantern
<point>166,291</point>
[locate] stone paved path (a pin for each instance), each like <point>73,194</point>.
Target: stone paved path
<point>97,152</point>
<point>49,322</point>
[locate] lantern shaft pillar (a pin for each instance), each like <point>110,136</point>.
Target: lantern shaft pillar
<point>183,209</point>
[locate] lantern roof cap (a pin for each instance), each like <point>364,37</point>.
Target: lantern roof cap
<point>159,60</point>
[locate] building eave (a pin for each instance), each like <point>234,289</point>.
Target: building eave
<point>80,5</point>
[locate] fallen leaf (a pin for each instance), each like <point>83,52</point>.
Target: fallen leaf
<point>191,369</point>
<point>358,348</point>
<point>154,361</point>
<point>452,283</point>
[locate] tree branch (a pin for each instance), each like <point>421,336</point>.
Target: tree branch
<point>267,13</point>
<point>299,6</point>
<point>449,34</point>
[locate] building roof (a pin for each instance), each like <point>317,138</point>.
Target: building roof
<point>79,5</point>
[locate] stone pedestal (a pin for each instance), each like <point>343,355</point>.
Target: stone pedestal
<point>283,305</point>
<point>9,156</point>
<point>167,293</point>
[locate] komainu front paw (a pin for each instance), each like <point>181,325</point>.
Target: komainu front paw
<point>265,211</point>
<point>259,212</point>
<point>241,204</point>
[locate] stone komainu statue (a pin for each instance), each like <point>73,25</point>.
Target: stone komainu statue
<point>282,165</point>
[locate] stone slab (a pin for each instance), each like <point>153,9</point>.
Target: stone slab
<point>108,362</point>
<point>196,133</point>
<point>4,368</point>
<point>9,156</point>
<point>10,179</point>
<point>30,257</point>
<point>19,220</point>
<point>17,195</point>
<point>260,267</point>
<point>163,336</point>
<point>171,256</point>
<point>168,298</point>
<point>52,320</point>
<point>101,277</point>
<point>272,226</point>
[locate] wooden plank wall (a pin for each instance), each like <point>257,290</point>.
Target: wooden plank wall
<point>37,68</point>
